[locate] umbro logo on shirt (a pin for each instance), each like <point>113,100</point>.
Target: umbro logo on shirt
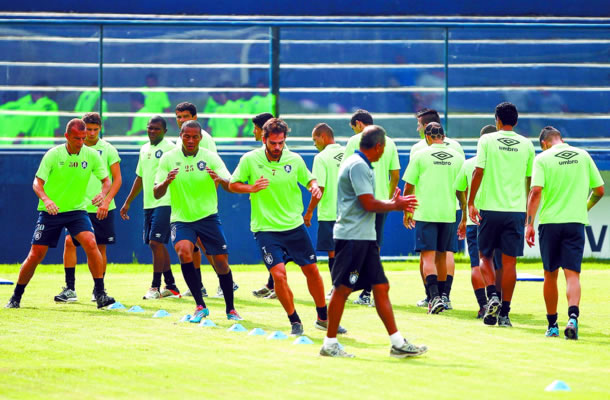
<point>508,141</point>
<point>339,157</point>
<point>441,155</point>
<point>567,155</point>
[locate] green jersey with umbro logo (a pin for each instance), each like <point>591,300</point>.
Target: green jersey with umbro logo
<point>148,163</point>
<point>278,207</point>
<point>67,176</point>
<point>565,174</point>
<point>326,171</point>
<point>506,158</point>
<point>110,156</point>
<point>193,191</point>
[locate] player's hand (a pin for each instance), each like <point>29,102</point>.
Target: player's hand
<point>51,207</point>
<point>315,191</point>
<point>530,235</point>
<point>260,184</point>
<point>474,215</point>
<point>405,203</point>
<point>102,210</point>
<point>214,175</point>
<point>408,220</point>
<point>97,200</point>
<point>172,174</point>
<point>307,219</point>
<point>461,232</point>
<point>124,211</point>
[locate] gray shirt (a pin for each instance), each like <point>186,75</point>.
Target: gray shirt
<point>356,178</point>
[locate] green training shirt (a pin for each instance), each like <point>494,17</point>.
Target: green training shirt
<point>326,171</point>
<point>66,176</point>
<point>109,156</point>
<point>388,162</point>
<point>507,159</point>
<point>566,174</point>
<point>432,171</point>
<point>193,191</point>
<point>148,164</point>
<point>464,179</point>
<point>279,207</point>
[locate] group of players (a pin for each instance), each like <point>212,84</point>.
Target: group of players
<point>353,189</point>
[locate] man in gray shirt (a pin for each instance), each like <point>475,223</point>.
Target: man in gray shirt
<point>357,261</point>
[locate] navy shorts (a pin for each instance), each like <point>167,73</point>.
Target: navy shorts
<point>103,229</point>
<point>561,245</point>
<point>357,264</point>
<point>156,224</point>
<point>49,227</point>
<point>379,224</point>
<point>433,236</point>
<point>278,247</point>
<point>504,230</point>
<point>325,236</point>
<point>473,249</point>
<point>454,245</point>
<point>207,229</point>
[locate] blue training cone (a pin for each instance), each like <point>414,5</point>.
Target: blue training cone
<point>207,323</point>
<point>277,335</point>
<point>237,328</point>
<point>135,309</point>
<point>116,306</point>
<point>558,386</point>
<point>257,332</point>
<point>303,340</point>
<point>160,314</point>
<point>186,318</point>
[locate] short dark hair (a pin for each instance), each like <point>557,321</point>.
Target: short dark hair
<point>75,122</point>
<point>323,128</point>
<point>158,119</point>
<point>92,118</point>
<point>260,119</point>
<point>507,113</point>
<point>275,125</point>
<point>488,129</point>
<point>434,130</point>
<point>190,124</point>
<point>186,106</point>
<point>363,116</point>
<point>428,115</point>
<point>371,136</point>
<point>547,132</point>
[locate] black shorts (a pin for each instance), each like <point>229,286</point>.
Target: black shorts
<point>325,236</point>
<point>49,227</point>
<point>357,264</point>
<point>207,229</point>
<point>433,236</point>
<point>561,245</point>
<point>280,247</point>
<point>504,230</point>
<point>473,249</point>
<point>103,229</point>
<point>379,225</point>
<point>156,224</point>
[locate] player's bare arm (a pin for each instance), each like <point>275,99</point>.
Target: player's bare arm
<point>313,203</point>
<point>533,202</point>
<point>407,219</point>
<point>314,189</point>
<point>240,187</point>
<point>136,188</point>
<point>595,196</point>
<point>38,187</point>
<point>117,181</point>
<point>461,196</point>
<point>160,189</point>
<point>477,177</point>
<point>218,180</point>
<point>394,178</point>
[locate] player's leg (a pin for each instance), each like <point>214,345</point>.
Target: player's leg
<point>476,278</point>
<point>424,302</point>
<point>325,243</point>
<point>95,262</point>
<point>497,260</point>
<point>511,244</point>
<point>572,248</point>
<point>550,300</point>
<point>365,295</point>
<point>184,237</point>
<point>440,259</point>
<point>489,232</point>
<point>426,240</point>
<point>451,250</point>
<point>68,293</point>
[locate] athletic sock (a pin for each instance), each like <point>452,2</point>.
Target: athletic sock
<point>505,308</point>
<point>226,284</point>
<point>294,318</point>
<point>573,312</point>
<point>481,298</point>
<point>427,291</point>
<point>98,285</point>
<point>396,339</point>
<point>170,281</point>
<point>441,288</point>
<point>156,282</point>
<point>330,341</point>
<point>331,264</point>
<point>448,284</point>
<point>270,282</point>
<point>70,279</point>
<point>491,291</point>
<point>432,284</point>
<point>322,313</point>
<point>552,318</point>
<point>198,275</point>
<point>190,277</point>
<point>18,292</point>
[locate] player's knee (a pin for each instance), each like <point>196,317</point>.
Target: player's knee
<point>185,253</point>
<point>279,275</point>
<point>154,246</point>
<point>88,243</point>
<point>69,243</point>
<point>221,265</point>
<point>36,254</point>
<point>311,271</point>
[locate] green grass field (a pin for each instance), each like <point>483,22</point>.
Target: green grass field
<point>74,351</point>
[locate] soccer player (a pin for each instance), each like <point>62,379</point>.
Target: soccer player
<point>468,229</point>
<point>191,174</point>
<point>387,175</point>
<point>101,216</point>
<point>358,264</point>
<point>424,117</point>
<point>325,170</point>
<point>271,176</point>
<point>61,185</point>
<point>503,170</point>
<point>562,178</point>
<point>156,212</point>
<point>431,175</point>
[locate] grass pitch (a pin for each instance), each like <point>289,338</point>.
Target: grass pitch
<point>65,351</point>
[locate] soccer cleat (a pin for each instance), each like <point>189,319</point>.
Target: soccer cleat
<point>330,294</point>
<point>166,292</point>
<point>447,302</point>
<point>93,298</point>
<point>271,295</point>
<point>334,350</point>
<point>491,313</point>
<point>103,299</point>
<point>323,326</point>
<point>571,331</point>
<point>423,302</point>
<point>262,292</point>
<point>297,329</point>
<point>235,286</point>
<point>199,314</point>
<point>504,321</point>
<point>363,300</point>
<point>66,295</point>
<point>481,312</point>
<point>436,305</point>
<point>552,331</point>
<point>187,293</point>
<point>219,292</point>
<point>204,293</point>
<point>234,316</point>
<point>152,294</point>
<point>13,303</point>
<point>407,350</point>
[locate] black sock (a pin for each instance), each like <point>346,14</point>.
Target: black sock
<point>322,313</point>
<point>226,284</point>
<point>573,312</point>
<point>441,288</point>
<point>331,263</point>
<point>170,281</point>
<point>432,284</point>
<point>481,298</point>
<point>448,284</point>
<point>552,318</point>
<point>270,282</point>
<point>70,278</point>
<point>491,291</point>
<point>427,291</point>
<point>294,318</point>
<point>198,272</point>
<point>98,285</point>
<point>156,282</point>
<point>190,277</point>
<point>18,292</point>
<point>505,308</point>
